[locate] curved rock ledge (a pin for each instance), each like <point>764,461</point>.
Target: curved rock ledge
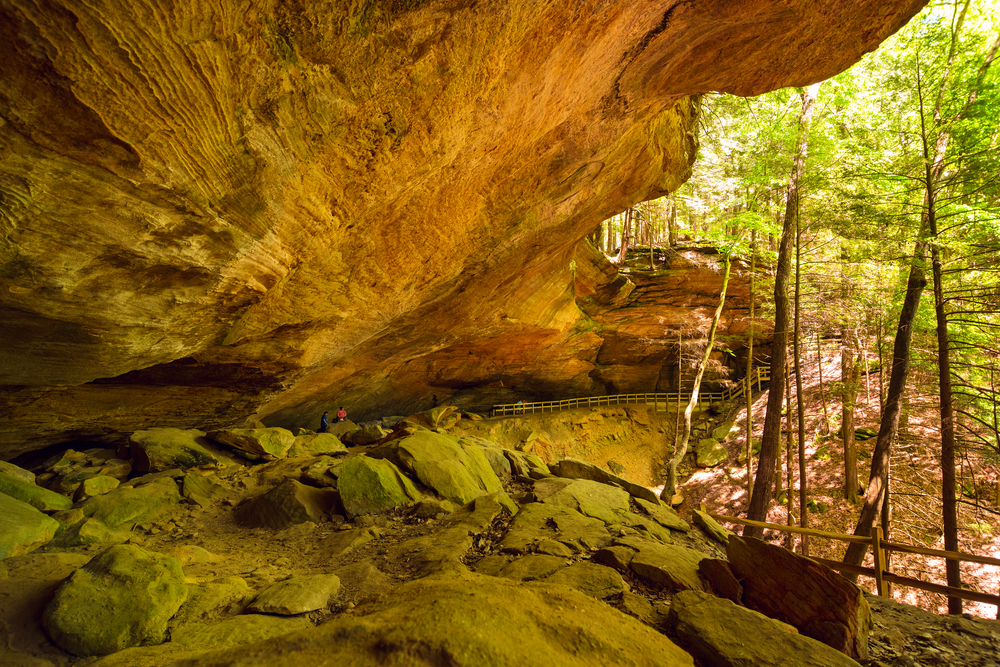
<point>256,208</point>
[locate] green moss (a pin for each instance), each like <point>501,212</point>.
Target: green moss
<point>366,16</point>
<point>279,41</point>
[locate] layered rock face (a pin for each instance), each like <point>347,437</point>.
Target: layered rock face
<point>215,211</point>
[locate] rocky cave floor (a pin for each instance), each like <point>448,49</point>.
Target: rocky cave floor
<point>374,554</point>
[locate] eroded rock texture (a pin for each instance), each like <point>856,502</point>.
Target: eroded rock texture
<point>211,210</point>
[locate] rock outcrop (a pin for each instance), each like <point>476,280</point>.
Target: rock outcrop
<point>216,212</point>
<point>798,591</point>
<point>536,573</point>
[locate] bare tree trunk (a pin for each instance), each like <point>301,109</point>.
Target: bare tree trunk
<point>764,482</point>
<point>749,390</point>
<point>877,480</point>
<point>626,232</point>
<point>789,466</point>
<point>933,166</point>
<point>822,391</point>
<point>670,487</point>
<point>680,383</point>
<point>800,408</point>
<point>672,224</point>
<point>849,375</point>
<point>849,380</point>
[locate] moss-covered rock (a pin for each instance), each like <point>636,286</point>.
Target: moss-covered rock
<point>372,486</point>
<point>473,620</point>
<point>22,527</point>
<point>123,597</point>
<point>95,486</point>
<point>316,444</point>
<point>127,505</point>
<point>719,632</point>
<point>297,595</point>
<point>459,473</point>
<point>37,496</point>
<point>265,444</point>
<point>288,504</point>
<point>158,449</point>
<point>710,453</point>
<point>600,501</point>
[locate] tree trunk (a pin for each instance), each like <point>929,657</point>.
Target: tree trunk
<point>680,383</point>
<point>800,407</point>
<point>949,506</point>
<point>822,391</point>
<point>626,231</point>
<point>672,224</point>
<point>877,480</point>
<point>849,376</point>
<point>749,389</point>
<point>789,467</point>
<point>849,381</point>
<point>764,482</point>
<point>670,487</point>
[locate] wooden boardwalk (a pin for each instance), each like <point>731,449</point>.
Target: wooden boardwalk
<point>658,401</point>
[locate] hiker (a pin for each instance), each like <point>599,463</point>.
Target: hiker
<point>324,423</point>
<point>341,414</point>
<point>519,408</point>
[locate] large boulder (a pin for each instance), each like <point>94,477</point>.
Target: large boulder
<point>813,598</point>
<point>468,621</point>
<point>37,496</point>
<point>664,564</point>
<point>297,595</point>
<point>288,504</point>
<point>22,527</point>
<point>263,444</point>
<point>367,435</point>
<point>576,469</point>
<point>710,453</point>
<point>663,514</point>
<point>600,501</point>
<point>17,472</point>
<point>316,444</point>
<point>129,505</point>
<point>158,449</point>
<point>372,486</point>
<point>537,522</point>
<point>595,580</point>
<point>719,633</point>
<point>123,597</point>
<point>457,472</point>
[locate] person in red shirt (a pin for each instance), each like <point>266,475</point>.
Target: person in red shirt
<point>341,414</point>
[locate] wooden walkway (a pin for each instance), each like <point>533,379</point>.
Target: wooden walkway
<point>658,401</point>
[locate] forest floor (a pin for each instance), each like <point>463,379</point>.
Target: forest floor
<point>915,486</point>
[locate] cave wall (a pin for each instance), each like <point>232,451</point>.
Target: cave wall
<point>214,211</point>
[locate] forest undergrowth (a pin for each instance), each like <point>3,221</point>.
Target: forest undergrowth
<point>915,485</point>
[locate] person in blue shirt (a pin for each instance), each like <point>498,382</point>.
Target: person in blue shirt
<point>324,423</point>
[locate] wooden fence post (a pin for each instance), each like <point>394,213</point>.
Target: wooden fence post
<point>878,555</point>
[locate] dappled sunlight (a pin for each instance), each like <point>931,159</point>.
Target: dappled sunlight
<point>915,486</point>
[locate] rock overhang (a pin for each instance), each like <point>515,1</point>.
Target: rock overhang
<point>225,212</point>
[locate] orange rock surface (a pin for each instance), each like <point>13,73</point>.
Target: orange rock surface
<point>215,211</point>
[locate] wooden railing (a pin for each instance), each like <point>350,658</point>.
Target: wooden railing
<point>761,375</point>
<point>880,547</point>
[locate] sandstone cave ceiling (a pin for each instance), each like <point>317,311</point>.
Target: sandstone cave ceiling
<point>219,210</point>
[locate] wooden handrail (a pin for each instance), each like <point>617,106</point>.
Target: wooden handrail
<point>762,375</point>
<point>880,547</point>
<point>791,529</point>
